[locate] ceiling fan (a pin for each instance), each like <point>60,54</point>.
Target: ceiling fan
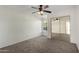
<point>41,9</point>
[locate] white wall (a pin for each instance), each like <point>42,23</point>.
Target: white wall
<point>73,12</point>
<point>77,25</point>
<point>16,27</point>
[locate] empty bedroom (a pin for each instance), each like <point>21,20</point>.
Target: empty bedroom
<point>39,28</point>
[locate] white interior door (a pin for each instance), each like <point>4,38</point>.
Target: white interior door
<point>55,26</point>
<point>65,24</point>
<point>62,24</point>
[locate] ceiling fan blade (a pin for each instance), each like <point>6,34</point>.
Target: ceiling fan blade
<point>47,11</point>
<point>35,12</point>
<point>46,6</point>
<point>34,7</point>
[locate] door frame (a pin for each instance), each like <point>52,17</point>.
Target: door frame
<point>50,24</point>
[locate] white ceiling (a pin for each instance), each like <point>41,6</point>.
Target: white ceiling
<point>27,8</point>
<point>58,8</point>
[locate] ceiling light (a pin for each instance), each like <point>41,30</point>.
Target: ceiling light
<point>40,12</point>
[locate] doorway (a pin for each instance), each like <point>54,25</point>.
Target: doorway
<point>61,28</point>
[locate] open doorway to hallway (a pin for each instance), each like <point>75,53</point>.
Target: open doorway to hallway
<point>61,28</point>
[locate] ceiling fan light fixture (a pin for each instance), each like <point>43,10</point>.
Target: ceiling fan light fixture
<point>41,9</point>
<point>40,12</point>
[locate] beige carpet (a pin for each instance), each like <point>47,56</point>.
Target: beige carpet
<point>41,44</point>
